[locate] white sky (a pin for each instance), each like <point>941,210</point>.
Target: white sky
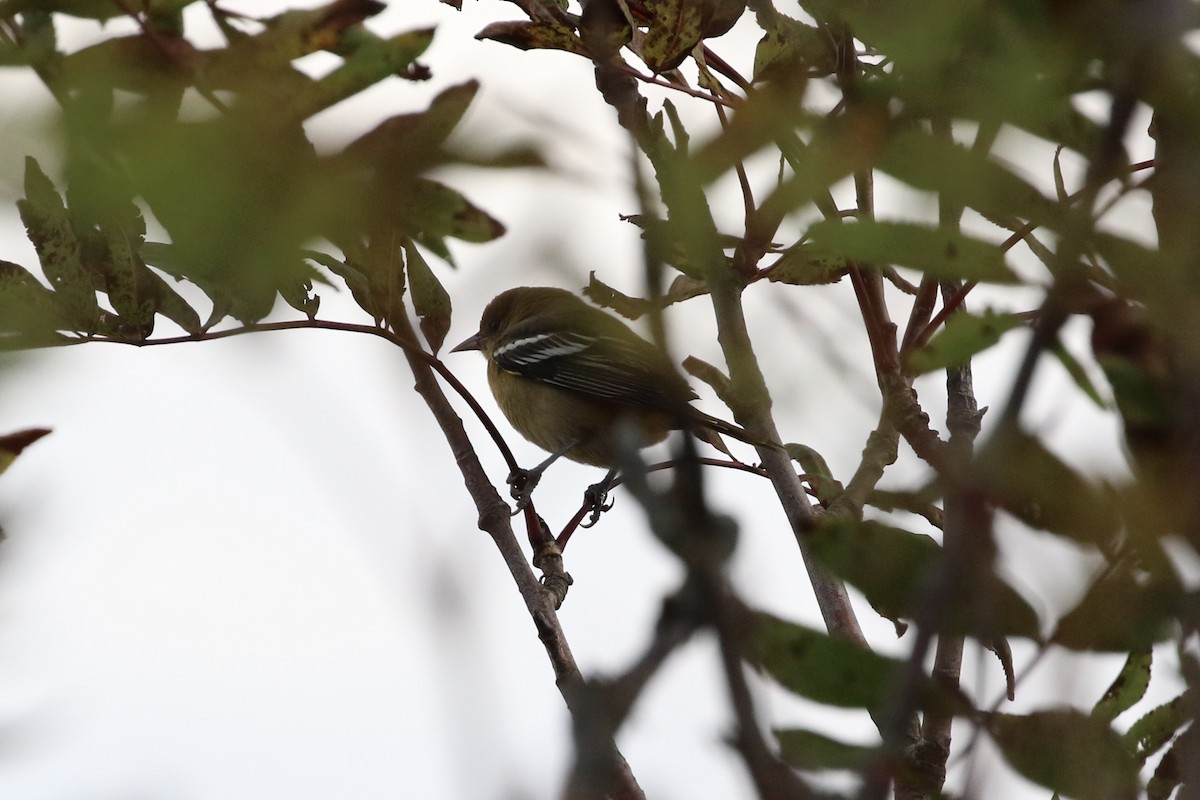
<point>248,568</point>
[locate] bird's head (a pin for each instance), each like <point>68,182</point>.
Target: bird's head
<point>513,307</point>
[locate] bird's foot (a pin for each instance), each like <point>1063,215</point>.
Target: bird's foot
<point>595,498</point>
<point>521,483</point>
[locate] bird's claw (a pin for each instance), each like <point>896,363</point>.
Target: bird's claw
<point>521,483</point>
<point>595,497</point>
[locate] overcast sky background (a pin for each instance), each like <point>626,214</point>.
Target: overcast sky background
<point>248,568</point>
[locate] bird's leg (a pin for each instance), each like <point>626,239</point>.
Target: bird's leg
<point>521,482</point>
<point>595,496</point>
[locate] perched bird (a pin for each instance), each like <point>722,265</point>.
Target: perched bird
<point>568,376</point>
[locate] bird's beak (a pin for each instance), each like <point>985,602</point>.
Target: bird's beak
<point>473,343</point>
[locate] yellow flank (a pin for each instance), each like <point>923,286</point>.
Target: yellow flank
<point>553,418</point>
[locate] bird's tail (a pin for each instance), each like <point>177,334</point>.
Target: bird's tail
<point>708,428</point>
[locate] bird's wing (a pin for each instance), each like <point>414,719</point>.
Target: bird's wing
<point>622,370</point>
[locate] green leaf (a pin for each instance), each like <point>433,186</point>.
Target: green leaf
<point>894,569</point>
<point>1120,613</point>
<point>1156,727</point>
<point>809,750</point>
<point>1068,751</point>
<point>807,264</point>
<point>429,297</point>
<point>964,336</point>
<point>833,670</point>
<point>1127,688</point>
<point>49,228</point>
<point>817,666</point>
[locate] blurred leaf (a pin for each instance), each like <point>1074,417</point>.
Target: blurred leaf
<point>1127,688</point>
<point>807,264</point>
<point>295,33</point>
<point>240,196</point>
<point>137,63</point>
<point>1141,396</point>
<point>28,310</point>
<point>1078,374</point>
<point>770,114</point>
<point>809,750</point>
<point>939,253</point>
<point>434,211</point>
<point>12,444</point>
<point>832,670</point>
<point>966,178</point>
<point>429,297</point>
<point>964,336</point>
<point>1021,476</point>
<point>1068,751</point>
<point>474,154</point>
<point>894,569</point>
<point>539,35</point>
<point>1140,269</point>
<point>366,66</point>
<point>986,68</point>
<point>88,9</point>
<point>1120,613</point>
<point>409,144</point>
<point>1156,727</point>
<point>49,228</point>
<point>818,666</point>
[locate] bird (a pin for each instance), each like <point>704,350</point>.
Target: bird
<point>573,380</point>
